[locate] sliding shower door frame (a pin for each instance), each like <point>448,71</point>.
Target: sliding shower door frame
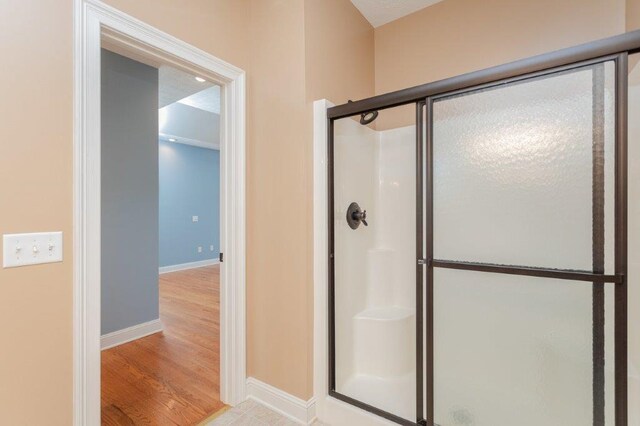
<point>597,279</point>
<point>614,49</point>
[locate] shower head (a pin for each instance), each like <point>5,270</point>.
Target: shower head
<point>367,117</point>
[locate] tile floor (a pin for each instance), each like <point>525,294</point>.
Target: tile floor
<point>252,413</point>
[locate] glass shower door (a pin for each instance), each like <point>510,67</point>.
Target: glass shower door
<point>478,248</point>
<point>522,189</point>
<point>372,257</point>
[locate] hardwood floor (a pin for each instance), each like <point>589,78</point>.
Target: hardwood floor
<point>172,377</point>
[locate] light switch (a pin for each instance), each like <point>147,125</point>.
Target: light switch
<point>31,249</point>
<point>199,249</point>
<point>194,218</point>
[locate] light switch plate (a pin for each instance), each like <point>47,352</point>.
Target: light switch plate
<point>31,249</point>
<point>194,218</point>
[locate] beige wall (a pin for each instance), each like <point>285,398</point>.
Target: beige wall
<point>339,52</point>
<point>633,15</point>
<point>278,169</point>
<point>459,36</point>
<point>36,158</point>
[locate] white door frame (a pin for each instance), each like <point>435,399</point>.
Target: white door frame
<point>94,25</point>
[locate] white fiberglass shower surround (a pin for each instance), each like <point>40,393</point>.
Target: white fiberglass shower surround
<point>375,352</point>
<point>477,246</point>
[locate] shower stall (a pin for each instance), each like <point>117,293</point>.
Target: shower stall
<point>477,252</point>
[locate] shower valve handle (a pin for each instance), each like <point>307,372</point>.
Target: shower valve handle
<point>361,216</point>
<point>356,216</point>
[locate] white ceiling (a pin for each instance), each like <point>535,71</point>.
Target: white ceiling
<point>176,85</point>
<point>380,12</point>
<point>207,99</point>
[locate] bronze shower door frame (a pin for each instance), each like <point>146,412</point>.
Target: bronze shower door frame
<point>614,49</point>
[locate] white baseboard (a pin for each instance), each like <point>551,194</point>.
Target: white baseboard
<point>294,408</point>
<point>190,265</point>
<point>125,335</point>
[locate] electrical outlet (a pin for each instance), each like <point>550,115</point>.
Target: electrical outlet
<point>210,248</point>
<point>194,218</point>
<point>199,249</point>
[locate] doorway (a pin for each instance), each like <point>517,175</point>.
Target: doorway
<point>100,26</point>
<point>160,210</point>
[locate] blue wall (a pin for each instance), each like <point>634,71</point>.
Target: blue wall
<point>129,113</point>
<point>189,186</point>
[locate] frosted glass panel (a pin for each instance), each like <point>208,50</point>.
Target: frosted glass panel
<point>375,280</point>
<point>514,169</point>
<point>515,350</point>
